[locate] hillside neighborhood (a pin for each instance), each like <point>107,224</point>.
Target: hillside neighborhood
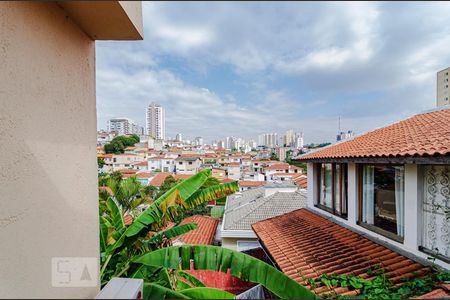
<point>233,151</point>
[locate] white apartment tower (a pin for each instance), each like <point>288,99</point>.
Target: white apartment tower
<point>442,90</point>
<point>156,121</point>
<point>123,126</point>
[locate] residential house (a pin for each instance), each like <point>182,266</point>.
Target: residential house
<point>280,168</point>
<point>48,121</point>
<point>161,164</point>
<point>143,165</point>
<point>382,196</point>
<point>246,185</point>
<point>218,173</point>
<point>253,176</point>
<point>144,177</point>
<point>187,164</point>
<point>242,209</point>
<point>123,161</point>
<point>233,170</point>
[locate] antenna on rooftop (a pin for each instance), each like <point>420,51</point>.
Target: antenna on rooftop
<point>339,124</point>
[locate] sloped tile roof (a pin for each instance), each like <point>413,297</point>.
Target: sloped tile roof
<point>243,215</point>
<point>251,183</point>
<point>304,243</point>
<point>301,181</point>
<point>441,292</point>
<point>424,134</point>
<point>159,178</point>
<point>204,234</point>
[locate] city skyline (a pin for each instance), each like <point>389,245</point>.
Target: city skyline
<point>217,78</point>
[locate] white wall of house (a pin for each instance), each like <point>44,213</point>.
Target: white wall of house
<point>187,166</point>
<point>413,209</point>
<point>234,172</point>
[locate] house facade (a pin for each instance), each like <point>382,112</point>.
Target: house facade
<point>391,184</point>
<point>187,164</point>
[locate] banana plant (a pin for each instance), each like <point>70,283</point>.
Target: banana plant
<point>120,243</point>
<point>221,259</point>
<point>135,250</point>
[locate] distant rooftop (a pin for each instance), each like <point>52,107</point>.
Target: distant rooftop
<point>253,206</point>
<point>424,134</point>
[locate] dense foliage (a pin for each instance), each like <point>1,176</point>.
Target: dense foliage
<point>380,287</point>
<point>119,143</point>
<point>142,249</point>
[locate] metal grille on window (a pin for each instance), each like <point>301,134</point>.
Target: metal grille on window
<point>436,207</point>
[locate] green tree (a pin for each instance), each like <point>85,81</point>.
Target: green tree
<point>273,156</point>
<point>119,143</point>
<point>100,162</point>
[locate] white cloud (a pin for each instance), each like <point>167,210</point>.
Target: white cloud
<point>300,64</point>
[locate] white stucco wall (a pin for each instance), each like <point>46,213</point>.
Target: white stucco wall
<point>48,183</point>
<point>413,215</point>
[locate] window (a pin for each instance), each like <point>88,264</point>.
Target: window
<point>190,162</point>
<point>180,163</point>
<point>247,245</point>
<point>332,188</point>
<point>382,199</point>
<point>435,200</point>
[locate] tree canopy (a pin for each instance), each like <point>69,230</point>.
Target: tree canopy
<point>119,143</point>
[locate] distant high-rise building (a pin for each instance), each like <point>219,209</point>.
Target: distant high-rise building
<point>442,90</point>
<point>268,139</point>
<point>123,126</point>
<point>289,138</point>
<point>221,145</point>
<point>344,135</point>
<point>298,140</point>
<point>179,137</point>
<point>156,121</point>
<point>199,141</point>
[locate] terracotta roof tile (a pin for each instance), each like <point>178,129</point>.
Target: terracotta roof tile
<point>301,181</point>
<point>204,234</point>
<point>424,134</point>
<point>441,292</point>
<point>304,243</point>
<point>159,178</point>
<point>251,183</point>
<point>181,176</point>
<point>227,180</point>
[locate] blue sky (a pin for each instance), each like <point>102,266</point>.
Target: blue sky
<point>241,69</point>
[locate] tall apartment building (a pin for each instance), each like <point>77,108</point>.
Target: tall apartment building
<point>124,126</point>
<point>156,121</point>
<point>442,91</point>
<point>289,138</point>
<point>268,139</point>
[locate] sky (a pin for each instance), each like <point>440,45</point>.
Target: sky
<point>245,68</point>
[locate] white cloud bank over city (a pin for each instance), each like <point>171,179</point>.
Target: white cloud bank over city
<point>246,68</point>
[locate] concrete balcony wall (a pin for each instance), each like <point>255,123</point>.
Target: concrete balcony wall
<point>48,169</point>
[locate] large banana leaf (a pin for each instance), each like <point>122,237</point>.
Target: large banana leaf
<point>171,233</point>
<point>240,265</point>
<point>211,193</point>
<point>191,278</point>
<point>155,291</point>
<point>154,213</point>
<point>104,224</point>
<point>206,293</point>
<point>116,214</point>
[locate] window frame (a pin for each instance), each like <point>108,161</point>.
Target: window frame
<point>359,200</point>
<point>343,170</point>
